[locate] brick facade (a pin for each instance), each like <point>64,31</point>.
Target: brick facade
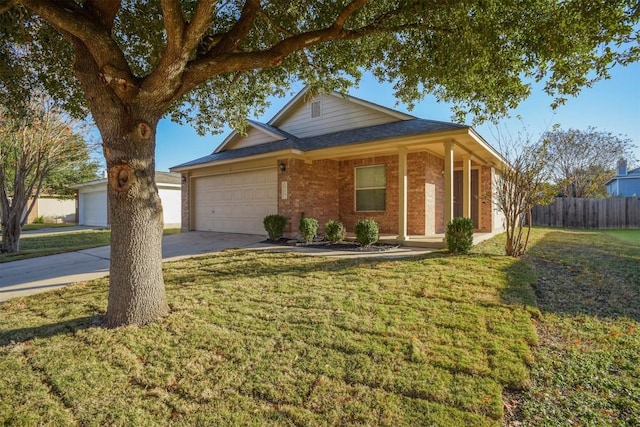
<point>325,190</point>
<point>312,190</point>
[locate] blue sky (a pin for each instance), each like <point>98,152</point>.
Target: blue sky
<point>611,105</point>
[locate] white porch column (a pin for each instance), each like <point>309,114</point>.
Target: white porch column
<point>402,194</point>
<point>466,186</point>
<point>448,182</point>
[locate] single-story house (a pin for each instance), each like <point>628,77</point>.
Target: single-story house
<point>339,157</point>
<point>625,183</point>
<point>52,209</point>
<point>93,208</point>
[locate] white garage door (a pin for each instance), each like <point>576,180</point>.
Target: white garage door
<point>235,202</point>
<point>93,208</point>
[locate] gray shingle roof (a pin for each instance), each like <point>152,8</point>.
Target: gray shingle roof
<point>343,138</point>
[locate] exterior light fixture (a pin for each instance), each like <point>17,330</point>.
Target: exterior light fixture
<point>282,167</point>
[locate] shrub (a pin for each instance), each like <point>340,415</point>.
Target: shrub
<point>308,228</point>
<point>366,232</point>
<point>39,220</point>
<point>459,235</point>
<point>335,231</point>
<point>274,224</point>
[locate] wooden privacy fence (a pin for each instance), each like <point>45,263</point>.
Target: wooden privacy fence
<point>589,213</point>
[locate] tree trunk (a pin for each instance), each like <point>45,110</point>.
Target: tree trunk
<point>136,287</point>
<point>11,234</point>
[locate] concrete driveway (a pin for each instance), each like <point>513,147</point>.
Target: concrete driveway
<point>31,276</point>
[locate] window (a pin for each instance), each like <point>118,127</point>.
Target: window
<point>371,188</point>
<point>315,109</point>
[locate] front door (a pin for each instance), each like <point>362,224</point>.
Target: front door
<point>475,196</point>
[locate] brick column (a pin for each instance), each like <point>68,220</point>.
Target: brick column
<point>448,182</point>
<point>402,194</point>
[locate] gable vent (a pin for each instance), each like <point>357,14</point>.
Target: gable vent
<point>315,109</point>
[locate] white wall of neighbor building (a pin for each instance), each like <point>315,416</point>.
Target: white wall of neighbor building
<point>57,209</point>
<point>92,205</point>
<point>171,205</point>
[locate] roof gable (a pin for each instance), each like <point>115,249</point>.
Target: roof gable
<point>332,112</point>
<point>257,133</point>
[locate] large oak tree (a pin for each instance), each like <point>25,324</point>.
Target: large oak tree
<point>133,62</point>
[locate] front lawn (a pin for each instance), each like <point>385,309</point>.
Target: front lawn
<point>260,338</point>
<point>279,339</point>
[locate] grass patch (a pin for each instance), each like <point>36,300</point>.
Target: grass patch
<point>587,367</point>
<point>278,339</point>
<point>61,242</point>
<point>32,227</point>
<point>631,237</point>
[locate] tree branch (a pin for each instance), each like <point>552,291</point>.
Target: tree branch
<point>75,23</point>
<point>174,25</point>
<point>200,22</point>
<point>346,13</point>
<point>104,11</point>
<point>231,40</point>
<point>6,5</point>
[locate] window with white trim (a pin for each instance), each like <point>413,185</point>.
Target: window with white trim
<point>371,188</point>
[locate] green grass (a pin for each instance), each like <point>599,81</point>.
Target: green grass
<point>631,237</point>
<point>61,242</point>
<point>260,338</point>
<point>587,367</point>
<point>278,339</point>
<point>31,227</point>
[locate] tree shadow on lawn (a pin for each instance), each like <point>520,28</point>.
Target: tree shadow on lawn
<point>70,326</point>
<point>582,272</point>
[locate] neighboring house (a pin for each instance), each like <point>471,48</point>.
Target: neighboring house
<point>52,209</point>
<point>625,183</point>
<point>343,158</point>
<point>93,207</point>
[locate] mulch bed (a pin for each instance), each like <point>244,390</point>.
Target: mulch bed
<point>339,246</point>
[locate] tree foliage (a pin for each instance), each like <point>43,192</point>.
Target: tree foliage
<point>40,152</point>
<point>583,160</point>
<point>207,62</point>
<point>221,60</point>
